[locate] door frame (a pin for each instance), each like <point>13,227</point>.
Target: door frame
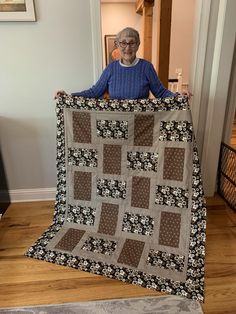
<point>96,29</point>
<point>216,98</point>
<point>231,105</point>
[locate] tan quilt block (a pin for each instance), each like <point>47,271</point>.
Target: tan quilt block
<point>109,217</point>
<point>112,159</point>
<point>131,252</point>
<point>143,130</point>
<point>173,163</point>
<point>140,192</point>
<point>70,239</point>
<point>82,185</point>
<point>169,229</point>
<point>81,122</point>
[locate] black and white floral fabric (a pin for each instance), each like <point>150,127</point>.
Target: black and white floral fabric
<point>81,215</point>
<point>145,161</point>
<point>181,131</point>
<point>138,224</point>
<point>171,196</point>
<point>112,129</point>
<point>111,188</point>
<point>101,246</point>
<point>166,260</point>
<point>82,157</point>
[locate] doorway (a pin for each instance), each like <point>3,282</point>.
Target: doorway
<point>116,15</point>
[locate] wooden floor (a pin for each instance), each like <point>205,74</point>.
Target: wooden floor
<point>26,281</point>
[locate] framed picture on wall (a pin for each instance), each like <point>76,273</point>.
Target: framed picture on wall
<point>111,50</point>
<point>17,10</point>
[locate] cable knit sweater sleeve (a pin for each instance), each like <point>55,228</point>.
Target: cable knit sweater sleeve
<point>97,90</point>
<point>156,87</point>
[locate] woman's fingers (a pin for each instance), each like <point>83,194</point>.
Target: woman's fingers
<point>59,93</point>
<point>189,94</point>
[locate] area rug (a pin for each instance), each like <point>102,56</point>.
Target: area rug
<point>130,203</point>
<point>149,305</point>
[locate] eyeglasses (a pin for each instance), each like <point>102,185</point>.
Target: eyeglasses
<point>124,44</point>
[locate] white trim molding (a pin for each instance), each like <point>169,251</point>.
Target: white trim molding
<point>200,38</point>
<point>213,50</point>
<point>231,108</point>
<point>31,195</point>
<point>218,93</point>
<point>96,29</point>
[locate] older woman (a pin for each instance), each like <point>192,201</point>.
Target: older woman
<point>127,78</point>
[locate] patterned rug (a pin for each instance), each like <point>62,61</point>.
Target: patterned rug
<point>149,305</point>
<point>130,203</point>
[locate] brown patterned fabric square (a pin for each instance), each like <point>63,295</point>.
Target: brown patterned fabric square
<point>131,252</point>
<point>70,239</point>
<point>169,229</point>
<point>82,185</point>
<point>140,192</point>
<point>81,127</point>
<point>109,217</point>
<point>143,130</point>
<point>173,163</point>
<point>112,159</point>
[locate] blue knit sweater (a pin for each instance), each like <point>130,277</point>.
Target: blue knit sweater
<point>132,82</point>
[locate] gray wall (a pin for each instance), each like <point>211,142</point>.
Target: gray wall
<point>38,58</point>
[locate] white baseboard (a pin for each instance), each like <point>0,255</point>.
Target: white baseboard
<point>30,195</point>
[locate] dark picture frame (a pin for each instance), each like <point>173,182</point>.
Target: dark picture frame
<point>111,50</point>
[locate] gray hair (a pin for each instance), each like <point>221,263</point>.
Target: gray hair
<point>130,32</point>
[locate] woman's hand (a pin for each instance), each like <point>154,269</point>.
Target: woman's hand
<point>188,94</point>
<point>60,93</point>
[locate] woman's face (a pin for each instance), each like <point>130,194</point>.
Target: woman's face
<point>128,47</point>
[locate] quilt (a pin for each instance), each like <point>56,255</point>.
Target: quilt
<point>130,202</point>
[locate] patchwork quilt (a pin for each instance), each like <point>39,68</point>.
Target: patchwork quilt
<point>130,203</point>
